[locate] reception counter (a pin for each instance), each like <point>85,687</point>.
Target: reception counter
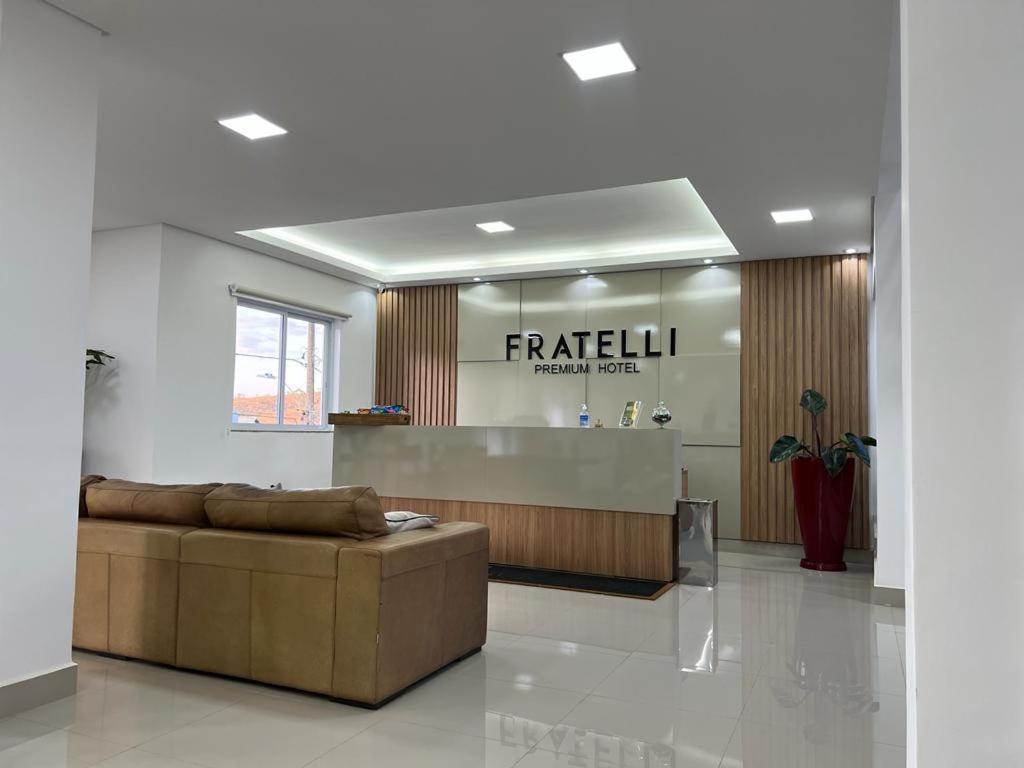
<point>587,500</point>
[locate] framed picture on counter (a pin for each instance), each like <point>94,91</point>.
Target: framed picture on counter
<point>631,414</point>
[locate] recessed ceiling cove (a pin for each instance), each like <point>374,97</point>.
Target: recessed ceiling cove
<point>662,223</point>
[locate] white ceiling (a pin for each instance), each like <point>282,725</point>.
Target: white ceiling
<point>663,223</point>
<point>396,107</point>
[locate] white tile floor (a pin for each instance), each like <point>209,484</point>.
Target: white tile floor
<point>774,668</point>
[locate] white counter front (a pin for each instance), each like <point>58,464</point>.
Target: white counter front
<point>625,470</point>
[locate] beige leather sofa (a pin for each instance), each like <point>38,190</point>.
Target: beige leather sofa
<point>304,589</point>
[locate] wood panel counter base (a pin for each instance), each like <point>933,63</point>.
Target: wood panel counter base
<point>625,544</point>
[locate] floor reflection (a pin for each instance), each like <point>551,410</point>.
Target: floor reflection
<point>772,668</point>
<point>815,702</point>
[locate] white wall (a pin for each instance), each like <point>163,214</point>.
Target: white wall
<point>963,161</point>
<point>197,336</point>
<point>47,155</point>
<point>180,366</point>
<point>887,378</point>
<point>120,398</point>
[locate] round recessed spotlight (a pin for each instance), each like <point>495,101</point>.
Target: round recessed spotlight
<point>583,271</point>
<point>709,261</point>
<point>850,251</point>
<point>476,279</point>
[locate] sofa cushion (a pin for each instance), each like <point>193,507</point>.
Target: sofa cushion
<point>122,537</point>
<point>409,521</point>
<point>296,555</point>
<point>148,502</point>
<point>84,482</point>
<point>352,511</point>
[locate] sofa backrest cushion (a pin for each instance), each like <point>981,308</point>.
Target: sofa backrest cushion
<point>84,482</point>
<point>148,502</point>
<point>352,510</point>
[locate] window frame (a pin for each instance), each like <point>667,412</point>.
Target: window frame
<point>286,312</point>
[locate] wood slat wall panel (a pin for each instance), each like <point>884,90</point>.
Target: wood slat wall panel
<point>416,355</point>
<point>803,324</point>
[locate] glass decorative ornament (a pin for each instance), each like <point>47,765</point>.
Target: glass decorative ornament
<point>661,415</point>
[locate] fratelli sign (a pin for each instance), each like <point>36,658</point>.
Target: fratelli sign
<point>609,344</point>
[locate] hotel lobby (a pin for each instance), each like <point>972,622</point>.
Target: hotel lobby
<point>542,384</point>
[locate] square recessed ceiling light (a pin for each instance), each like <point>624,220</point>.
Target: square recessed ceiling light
<point>601,61</point>
<point>252,126</point>
<point>493,227</point>
<point>788,217</point>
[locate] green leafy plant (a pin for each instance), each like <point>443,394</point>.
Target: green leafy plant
<point>94,357</point>
<point>834,456</point>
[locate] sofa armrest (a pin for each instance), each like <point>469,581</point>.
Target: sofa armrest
<point>408,604</point>
<point>410,550</point>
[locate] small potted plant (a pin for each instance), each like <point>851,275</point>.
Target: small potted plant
<point>822,486</point>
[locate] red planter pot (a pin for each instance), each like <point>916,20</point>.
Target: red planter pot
<point>823,506</point>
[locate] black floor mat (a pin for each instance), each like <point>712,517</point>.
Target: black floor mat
<point>579,582</point>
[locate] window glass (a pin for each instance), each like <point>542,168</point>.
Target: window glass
<point>257,366</point>
<point>304,372</point>
<point>280,359</point>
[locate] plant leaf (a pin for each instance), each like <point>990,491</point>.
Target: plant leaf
<point>96,357</point>
<point>868,440</point>
<point>857,447</point>
<point>813,402</point>
<point>835,460</point>
<point>786,447</point>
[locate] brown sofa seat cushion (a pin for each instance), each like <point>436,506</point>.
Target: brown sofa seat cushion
<point>148,502</point>
<point>296,555</point>
<point>116,537</point>
<point>84,482</point>
<point>352,511</point>
<point>411,550</point>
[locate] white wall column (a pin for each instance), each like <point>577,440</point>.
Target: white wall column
<point>963,352</point>
<point>887,374</point>
<point>48,70</point>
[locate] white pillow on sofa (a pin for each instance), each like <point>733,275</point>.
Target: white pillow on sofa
<point>409,521</point>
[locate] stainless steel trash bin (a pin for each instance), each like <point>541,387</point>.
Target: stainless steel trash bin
<point>698,549</point>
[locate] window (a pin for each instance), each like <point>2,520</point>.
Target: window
<point>280,368</point>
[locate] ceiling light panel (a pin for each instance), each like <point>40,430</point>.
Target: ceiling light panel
<point>494,227</point>
<point>252,126</point>
<point>602,61</point>
<point>789,217</point>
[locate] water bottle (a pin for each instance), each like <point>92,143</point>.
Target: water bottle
<point>584,416</point>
